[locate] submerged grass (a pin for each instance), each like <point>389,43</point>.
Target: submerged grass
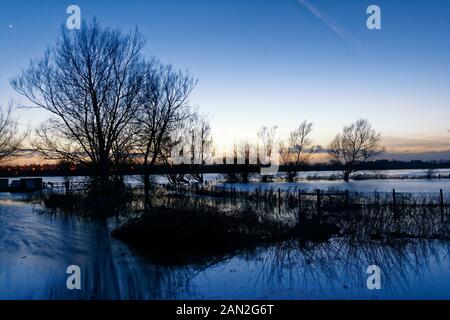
<point>190,225</point>
<point>185,234</point>
<point>83,204</point>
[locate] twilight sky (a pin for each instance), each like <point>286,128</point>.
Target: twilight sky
<point>275,62</point>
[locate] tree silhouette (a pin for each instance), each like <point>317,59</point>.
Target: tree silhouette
<point>164,107</point>
<point>356,144</point>
<point>200,144</point>
<point>11,139</point>
<point>297,150</point>
<point>90,82</point>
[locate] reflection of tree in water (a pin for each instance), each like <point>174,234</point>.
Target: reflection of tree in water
<point>377,223</point>
<point>377,219</point>
<point>343,262</point>
<point>122,274</point>
<point>323,267</point>
<point>119,272</point>
<point>371,237</point>
<point>398,242</point>
<point>50,243</point>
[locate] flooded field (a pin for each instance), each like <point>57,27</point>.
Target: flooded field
<point>365,186</point>
<point>36,246</point>
<point>410,181</point>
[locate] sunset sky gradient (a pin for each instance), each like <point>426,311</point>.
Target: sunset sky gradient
<point>275,62</point>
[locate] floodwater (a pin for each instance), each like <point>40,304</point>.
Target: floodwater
<point>36,247</point>
<point>364,186</point>
<point>408,181</point>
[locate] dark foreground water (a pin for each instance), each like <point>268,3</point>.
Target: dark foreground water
<point>37,247</point>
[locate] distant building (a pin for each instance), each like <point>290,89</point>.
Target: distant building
<point>4,185</point>
<point>26,185</point>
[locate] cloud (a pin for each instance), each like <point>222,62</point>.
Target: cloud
<point>417,145</point>
<point>325,20</point>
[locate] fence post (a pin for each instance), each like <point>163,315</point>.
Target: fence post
<point>394,203</point>
<point>318,201</point>
<point>347,203</point>
<point>442,205</point>
<point>257,198</point>
<point>279,201</point>
<point>299,206</point>
<point>67,187</point>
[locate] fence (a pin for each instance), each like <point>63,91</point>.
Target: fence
<point>66,187</point>
<point>320,199</point>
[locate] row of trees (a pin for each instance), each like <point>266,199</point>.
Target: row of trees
<point>356,144</point>
<point>110,106</point>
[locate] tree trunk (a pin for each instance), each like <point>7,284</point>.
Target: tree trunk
<point>347,176</point>
<point>147,202</point>
<point>291,176</point>
<point>146,182</point>
<point>100,175</point>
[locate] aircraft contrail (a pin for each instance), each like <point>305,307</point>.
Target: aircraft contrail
<point>319,15</point>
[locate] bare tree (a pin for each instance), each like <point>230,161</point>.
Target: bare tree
<point>356,144</point>
<point>232,176</point>
<point>175,142</point>
<point>430,173</point>
<point>90,83</point>
<point>164,105</point>
<point>244,151</point>
<point>201,144</point>
<point>245,157</point>
<point>297,150</point>
<point>11,139</point>
<point>266,145</point>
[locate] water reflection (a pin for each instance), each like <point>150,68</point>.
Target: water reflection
<point>412,186</point>
<point>36,248</point>
<point>337,269</point>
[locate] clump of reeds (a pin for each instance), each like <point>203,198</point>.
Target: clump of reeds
<point>185,233</point>
<point>61,201</point>
<point>88,204</point>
